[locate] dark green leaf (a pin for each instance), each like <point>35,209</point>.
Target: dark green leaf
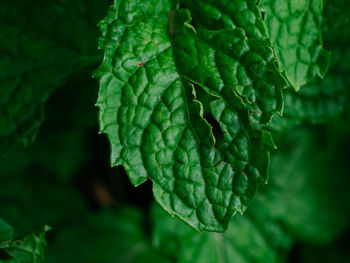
<point>309,177</point>
<point>42,43</point>
<point>30,197</point>
<point>104,237</point>
<point>244,241</point>
<point>29,250</point>
<point>6,231</point>
<point>317,101</point>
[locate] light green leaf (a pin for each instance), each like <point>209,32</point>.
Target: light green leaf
<point>154,67</point>
<point>295,29</point>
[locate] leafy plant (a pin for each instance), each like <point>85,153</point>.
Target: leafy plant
<point>197,97</point>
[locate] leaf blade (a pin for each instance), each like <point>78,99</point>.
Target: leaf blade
<point>155,123</point>
<point>295,29</point>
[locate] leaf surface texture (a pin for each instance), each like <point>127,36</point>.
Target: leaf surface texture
<point>161,84</point>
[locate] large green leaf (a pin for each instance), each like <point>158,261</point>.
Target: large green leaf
<point>161,85</point>
<point>42,43</point>
<point>300,203</point>
<point>295,29</point>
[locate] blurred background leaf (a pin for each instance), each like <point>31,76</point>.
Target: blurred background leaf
<point>45,41</point>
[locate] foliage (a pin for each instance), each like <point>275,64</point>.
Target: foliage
<point>210,100</point>
<point>30,249</point>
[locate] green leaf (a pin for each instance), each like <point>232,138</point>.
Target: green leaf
<point>323,99</point>
<point>43,183</point>
<point>43,43</point>
<point>120,236</point>
<point>6,231</point>
<point>336,17</point>
<point>154,67</point>
<point>304,193</point>
<point>287,210</point>
<point>29,250</point>
<point>295,29</point>
<point>244,241</point>
<point>228,65</point>
<point>31,193</point>
<point>224,14</point>
<point>319,100</point>
<point>108,236</point>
